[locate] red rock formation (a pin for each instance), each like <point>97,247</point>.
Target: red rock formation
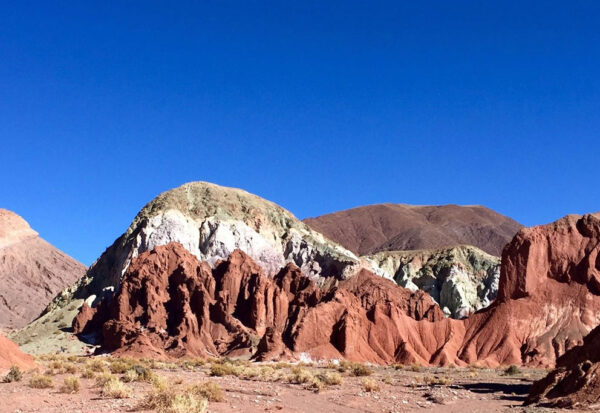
<point>547,299</point>
<point>170,304</point>
<point>576,380</point>
<point>11,355</point>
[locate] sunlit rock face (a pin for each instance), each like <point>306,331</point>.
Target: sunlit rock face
<point>461,280</point>
<point>211,222</point>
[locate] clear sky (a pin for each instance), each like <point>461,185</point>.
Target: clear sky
<point>317,106</point>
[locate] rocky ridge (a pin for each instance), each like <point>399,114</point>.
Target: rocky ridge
<point>32,271</point>
<point>547,302</point>
<point>461,279</point>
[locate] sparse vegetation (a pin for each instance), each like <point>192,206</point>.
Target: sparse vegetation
<point>71,384</point>
<point>437,381</point>
<point>416,367</point>
<point>116,389</point>
<point>88,374</point>
<point>208,390</point>
<point>224,369</point>
<point>512,370</point>
<point>14,374</point>
<point>369,385</point>
<point>41,382</point>
<point>170,402</point>
<point>358,369</point>
<point>330,378</point>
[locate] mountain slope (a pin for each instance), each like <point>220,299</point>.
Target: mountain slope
<point>390,227</point>
<point>32,271</point>
<point>210,222</point>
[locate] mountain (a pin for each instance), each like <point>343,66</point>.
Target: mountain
<point>32,271</point>
<point>171,304</point>
<point>390,227</point>
<point>210,222</point>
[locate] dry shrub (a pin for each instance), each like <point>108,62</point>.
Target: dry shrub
<point>512,370</point>
<point>41,382</point>
<point>97,365</point>
<point>208,390</point>
<point>358,369</point>
<point>170,402</point>
<point>225,369</point>
<point>14,374</point>
<point>103,378</point>
<point>130,376</point>
<point>369,385</point>
<point>330,378</point>
<point>116,389</point>
<point>88,374</point>
<point>388,380</point>
<point>70,385</point>
<point>438,381</point>
<point>416,367</point>
<point>119,367</point>
<point>159,382</point>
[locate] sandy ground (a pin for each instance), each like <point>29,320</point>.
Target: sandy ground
<point>400,390</point>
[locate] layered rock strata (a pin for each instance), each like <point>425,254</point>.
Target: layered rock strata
<point>461,279</point>
<point>171,304</point>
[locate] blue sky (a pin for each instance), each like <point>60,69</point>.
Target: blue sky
<point>318,106</point>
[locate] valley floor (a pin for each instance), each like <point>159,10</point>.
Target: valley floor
<point>251,387</point>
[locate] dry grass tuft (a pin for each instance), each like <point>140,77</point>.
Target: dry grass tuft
<point>116,389</point>
<point>358,369</point>
<point>71,384</point>
<point>88,374</point>
<point>14,374</point>
<point>208,390</point>
<point>169,402</point>
<point>512,370</point>
<point>225,369</point>
<point>41,382</point>
<point>416,367</point>
<point>330,378</point>
<point>369,385</point>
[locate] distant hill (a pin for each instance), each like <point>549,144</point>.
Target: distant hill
<point>32,271</point>
<point>389,227</point>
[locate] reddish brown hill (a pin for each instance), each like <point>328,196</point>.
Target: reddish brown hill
<point>32,271</point>
<point>389,227</point>
<point>10,355</point>
<point>170,304</point>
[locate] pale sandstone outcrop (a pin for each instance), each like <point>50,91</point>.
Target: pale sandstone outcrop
<point>461,279</point>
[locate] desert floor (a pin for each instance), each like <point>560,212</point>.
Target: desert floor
<point>256,387</point>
